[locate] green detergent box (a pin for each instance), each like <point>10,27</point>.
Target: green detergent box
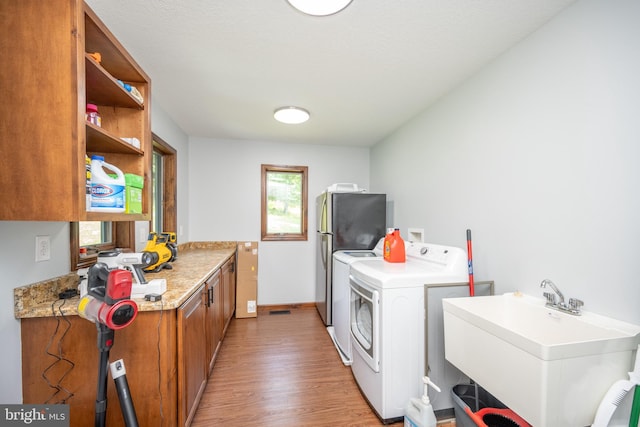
<point>133,193</point>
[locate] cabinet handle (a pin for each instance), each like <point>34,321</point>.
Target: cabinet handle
<point>210,294</point>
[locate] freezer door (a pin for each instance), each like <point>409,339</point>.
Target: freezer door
<point>356,220</point>
<point>323,276</point>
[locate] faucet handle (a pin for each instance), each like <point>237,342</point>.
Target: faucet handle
<point>575,304</point>
<point>551,298</point>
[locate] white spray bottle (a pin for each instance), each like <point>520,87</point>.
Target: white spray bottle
<point>419,412</point>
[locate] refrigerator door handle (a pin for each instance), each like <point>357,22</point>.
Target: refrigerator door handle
<point>325,255</point>
<point>323,214</point>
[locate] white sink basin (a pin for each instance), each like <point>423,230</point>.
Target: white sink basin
<point>551,368</point>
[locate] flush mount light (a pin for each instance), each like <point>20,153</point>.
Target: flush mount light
<point>291,115</point>
<point>319,7</point>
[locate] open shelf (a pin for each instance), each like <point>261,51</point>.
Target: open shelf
<point>102,141</point>
<point>104,89</point>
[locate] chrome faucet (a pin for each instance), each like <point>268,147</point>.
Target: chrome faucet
<point>573,307</point>
<point>547,282</point>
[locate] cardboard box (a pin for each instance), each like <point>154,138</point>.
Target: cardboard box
<point>247,261</point>
<point>247,280</point>
<point>246,298</point>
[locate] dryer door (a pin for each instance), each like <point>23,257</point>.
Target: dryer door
<point>365,318</point>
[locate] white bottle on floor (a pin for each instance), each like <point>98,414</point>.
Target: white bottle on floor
<point>419,412</point>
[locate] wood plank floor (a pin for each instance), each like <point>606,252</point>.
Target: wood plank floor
<point>282,370</point>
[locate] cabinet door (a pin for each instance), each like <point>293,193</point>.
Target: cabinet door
<point>229,289</point>
<point>147,346</point>
<point>192,355</point>
<point>214,319</point>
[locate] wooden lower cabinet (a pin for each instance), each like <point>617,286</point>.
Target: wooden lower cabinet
<point>147,347</point>
<point>168,356</point>
<point>192,356</point>
<point>214,323</point>
<point>228,272</point>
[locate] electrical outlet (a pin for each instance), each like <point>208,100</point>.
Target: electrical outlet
<point>43,248</point>
<point>251,306</point>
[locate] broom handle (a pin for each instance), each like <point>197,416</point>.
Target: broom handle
<point>470,258</point>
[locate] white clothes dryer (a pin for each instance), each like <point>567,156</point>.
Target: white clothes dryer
<point>387,322</point>
<point>339,331</point>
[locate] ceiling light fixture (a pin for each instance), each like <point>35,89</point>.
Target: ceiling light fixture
<point>291,115</point>
<point>319,7</point>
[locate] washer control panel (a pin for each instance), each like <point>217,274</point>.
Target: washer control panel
<point>429,252</point>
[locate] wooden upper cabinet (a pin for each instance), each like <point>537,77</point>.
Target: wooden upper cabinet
<point>47,78</point>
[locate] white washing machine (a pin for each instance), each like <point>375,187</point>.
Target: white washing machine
<point>387,322</point>
<point>339,331</point>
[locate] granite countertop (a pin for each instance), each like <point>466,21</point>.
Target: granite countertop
<point>195,263</point>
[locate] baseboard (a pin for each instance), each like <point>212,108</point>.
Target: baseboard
<point>278,307</point>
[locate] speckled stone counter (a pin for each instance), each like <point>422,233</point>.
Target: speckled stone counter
<point>196,261</point>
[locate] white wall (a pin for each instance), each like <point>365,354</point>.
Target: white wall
<point>18,268</point>
<point>224,204</point>
<point>165,128</point>
<point>537,155</point>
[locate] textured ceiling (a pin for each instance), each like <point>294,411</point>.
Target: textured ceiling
<point>220,68</point>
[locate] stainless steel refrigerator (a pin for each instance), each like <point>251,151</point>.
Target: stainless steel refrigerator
<point>344,221</point>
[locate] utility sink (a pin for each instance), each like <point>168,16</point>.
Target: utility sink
<point>550,367</point>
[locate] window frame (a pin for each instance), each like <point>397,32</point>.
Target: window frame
<point>303,235</point>
<point>169,185</point>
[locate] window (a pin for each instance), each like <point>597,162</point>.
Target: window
<point>93,233</point>
<point>284,202</point>
<point>98,236</point>
<point>93,236</point>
